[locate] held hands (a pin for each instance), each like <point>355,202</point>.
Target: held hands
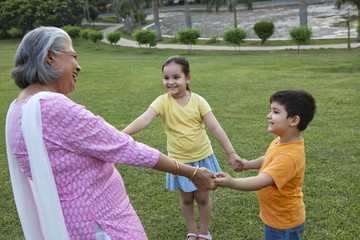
<point>204,179</point>
<point>237,163</point>
<point>223,179</point>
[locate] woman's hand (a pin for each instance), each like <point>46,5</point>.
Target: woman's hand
<point>204,179</point>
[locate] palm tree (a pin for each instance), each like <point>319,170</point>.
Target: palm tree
<point>303,12</point>
<point>338,4</point>
<point>231,5</point>
<point>187,14</point>
<point>156,19</point>
<point>123,8</point>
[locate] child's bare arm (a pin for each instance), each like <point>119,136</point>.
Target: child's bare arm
<point>252,164</point>
<point>244,184</point>
<point>141,122</point>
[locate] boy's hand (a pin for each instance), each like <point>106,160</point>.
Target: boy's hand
<point>235,162</point>
<point>243,165</point>
<point>223,179</point>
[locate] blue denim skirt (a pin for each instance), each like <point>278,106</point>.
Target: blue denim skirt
<point>172,183</point>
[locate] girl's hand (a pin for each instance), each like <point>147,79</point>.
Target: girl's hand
<point>223,179</point>
<point>204,179</point>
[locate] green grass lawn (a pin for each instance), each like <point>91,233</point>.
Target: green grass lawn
<point>120,83</point>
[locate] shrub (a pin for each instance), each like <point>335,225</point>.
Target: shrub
<point>15,33</point>
<point>264,30</point>
<point>235,36</point>
<point>107,19</point>
<point>213,39</point>
<point>96,36</point>
<point>147,37</point>
<point>140,16</point>
<point>74,32</point>
<point>113,37</point>
<point>188,36</point>
<point>84,33</point>
<point>300,35</point>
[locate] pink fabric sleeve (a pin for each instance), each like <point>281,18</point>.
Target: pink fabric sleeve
<point>73,127</point>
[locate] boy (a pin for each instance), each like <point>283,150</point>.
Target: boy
<point>281,173</point>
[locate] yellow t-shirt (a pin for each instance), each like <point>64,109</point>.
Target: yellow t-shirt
<point>187,140</point>
<point>281,204</point>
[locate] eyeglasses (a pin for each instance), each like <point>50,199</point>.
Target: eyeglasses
<point>74,54</point>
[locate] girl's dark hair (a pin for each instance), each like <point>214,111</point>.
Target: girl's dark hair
<point>181,61</point>
<point>297,102</point>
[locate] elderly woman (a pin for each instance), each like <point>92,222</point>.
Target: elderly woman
<point>61,156</point>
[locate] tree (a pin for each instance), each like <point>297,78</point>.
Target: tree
<point>231,5</point>
<point>303,12</point>
<point>338,4</point>
<point>155,8</point>
<point>189,36</point>
<point>123,8</point>
<point>300,35</point>
<point>235,36</point>
<point>264,30</point>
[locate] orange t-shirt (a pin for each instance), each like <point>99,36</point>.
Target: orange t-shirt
<point>281,204</point>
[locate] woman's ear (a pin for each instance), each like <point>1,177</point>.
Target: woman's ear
<point>50,57</point>
<point>294,121</point>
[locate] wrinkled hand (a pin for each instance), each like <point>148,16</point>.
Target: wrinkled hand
<point>204,179</point>
<point>223,179</point>
<point>235,162</point>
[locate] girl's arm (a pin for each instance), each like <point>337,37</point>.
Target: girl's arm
<point>141,122</point>
<point>244,184</point>
<point>222,138</point>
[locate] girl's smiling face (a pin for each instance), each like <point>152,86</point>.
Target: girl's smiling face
<point>174,79</point>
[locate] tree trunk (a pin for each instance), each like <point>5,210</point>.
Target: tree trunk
<point>132,18</point>
<point>348,25</point>
<point>303,12</point>
<point>358,26</point>
<point>156,19</point>
<point>187,15</point>
<point>235,19</point>
<point>128,25</point>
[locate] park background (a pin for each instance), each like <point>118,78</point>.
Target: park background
<point>119,83</point>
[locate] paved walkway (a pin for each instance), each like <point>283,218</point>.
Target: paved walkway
<point>129,43</point>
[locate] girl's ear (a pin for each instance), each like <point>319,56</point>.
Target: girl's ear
<point>188,77</point>
<point>50,57</point>
<point>294,121</point>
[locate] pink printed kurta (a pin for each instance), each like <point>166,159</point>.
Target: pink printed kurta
<point>82,149</point>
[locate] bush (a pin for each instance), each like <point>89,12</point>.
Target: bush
<point>188,36</point>
<point>113,37</point>
<point>235,36</point>
<point>264,30</point>
<point>84,33</point>
<point>146,36</point>
<point>213,39</point>
<point>140,16</point>
<point>74,32</point>
<point>15,33</point>
<point>300,35</point>
<point>96,36</point>
<point>107,19</point>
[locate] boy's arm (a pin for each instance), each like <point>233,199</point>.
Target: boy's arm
<point>253,164</point>
<point>141,122</point>
<point>244,184</point>
<point>220,135</point>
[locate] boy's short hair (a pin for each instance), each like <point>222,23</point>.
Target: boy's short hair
<point>296,103</point>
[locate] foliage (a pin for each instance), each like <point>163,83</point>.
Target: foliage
<point>145,36</point>
<point>140,16</point>
<point>358,29</point>
<point>73,31</point>
<point>235,36</point>
<point>107,19</point>
<point>96,36</point>
<point>113,37</point>
<point>15,33</point>
<point>29,14</point>
<point>188,36</point>
<point>300,35</point>
<point>84,33</point>
<point>214,39</point>
<point>264,30</point>
<point>93,13</point>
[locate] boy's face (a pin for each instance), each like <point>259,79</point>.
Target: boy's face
<point>279,123</point>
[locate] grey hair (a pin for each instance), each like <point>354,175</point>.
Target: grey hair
<point>30,59</point>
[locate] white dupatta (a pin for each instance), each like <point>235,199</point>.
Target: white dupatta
<point>37,201</point>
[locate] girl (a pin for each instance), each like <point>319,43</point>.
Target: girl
<point>183,114</point>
